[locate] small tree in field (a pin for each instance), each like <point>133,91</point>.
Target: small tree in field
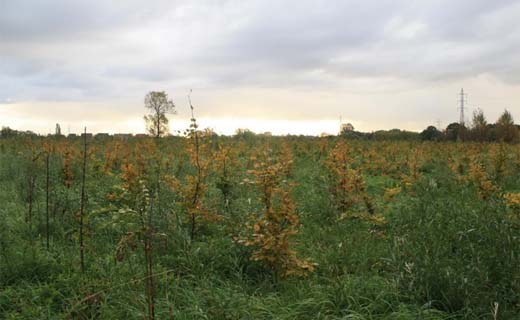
<point>196,186</point>
<point>273,227</point>
<point>505,128</point>
<point>479,129</point>
<point>159,105</point>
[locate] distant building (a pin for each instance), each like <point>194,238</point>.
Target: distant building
<point>102,136</point>
<point>141,136</point>
<point>72,136</point>
<point>89,135</point>
<point>325,134</point>
<point>28,133</point>
<point>57,131</point>
<point>123,136</point>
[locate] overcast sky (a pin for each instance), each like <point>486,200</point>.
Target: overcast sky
<point>280,66</point>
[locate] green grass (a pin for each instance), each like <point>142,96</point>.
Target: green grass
<point>444,254</point>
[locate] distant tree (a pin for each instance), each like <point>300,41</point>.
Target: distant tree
<point>7,132</point>
<point>455,131</point>
<point>209,132</point>
<point>240,132</point>
<point>479,126</point>
<point>491,131</point>
<point>159,106</point>
<point>245,134</point>
<point>506,130</point>
<point>431,134</point>
<point>394,135</point>
<point>355,135</point>
<point>345,129</point>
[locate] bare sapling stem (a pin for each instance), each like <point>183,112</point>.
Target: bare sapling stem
<point>82,204</point>
<point>47,189</point>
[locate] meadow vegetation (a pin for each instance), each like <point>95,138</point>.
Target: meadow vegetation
<point>258,227</point>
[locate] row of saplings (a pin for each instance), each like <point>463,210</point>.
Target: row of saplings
<point>136,202</point>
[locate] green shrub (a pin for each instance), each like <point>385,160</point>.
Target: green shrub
<point>453,251</point>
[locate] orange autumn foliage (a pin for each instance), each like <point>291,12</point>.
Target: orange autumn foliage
<point>278,222</point>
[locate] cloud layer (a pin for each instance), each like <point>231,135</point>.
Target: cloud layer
<point>295,60</point>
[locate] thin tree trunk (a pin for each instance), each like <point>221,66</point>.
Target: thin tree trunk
<point>32,182</point>
<point>149,283</point>
<point>197,187</point>
<point>158,124</point>
<point>31,195</point>
<point>161,213</point>
<point>82,204</point>
<point>150,286</point>
<point>47,186</point>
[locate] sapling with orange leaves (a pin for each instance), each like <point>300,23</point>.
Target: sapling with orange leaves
<point>195,187</point>
<point>480,178</point>
<point>112,157</point>
<point>225,167</point>
<point>412,163</point>
<point>513,202</point>
<point>133,204</point>
<point>273,227</point>
<point>67,158</point>
<point>347,184</point>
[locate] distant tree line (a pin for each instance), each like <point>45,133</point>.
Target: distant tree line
<point>503,130</point>
<point>393,134</point>
<point>7,132</point>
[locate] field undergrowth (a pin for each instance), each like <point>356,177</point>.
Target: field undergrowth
<point>208,227</point>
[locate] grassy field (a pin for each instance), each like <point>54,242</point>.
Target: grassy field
<point>253,227</point>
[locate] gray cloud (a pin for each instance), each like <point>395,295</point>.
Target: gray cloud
<point>105,51</point>
<point>256,41</point>
<point>62,20</point>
